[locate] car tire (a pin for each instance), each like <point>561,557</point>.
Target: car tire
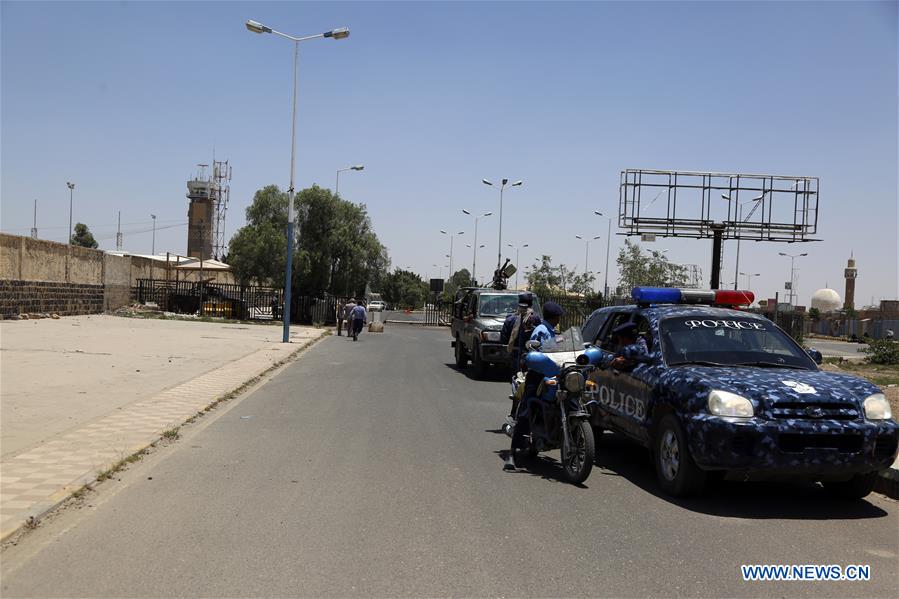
<point>478,366</point>
<point>461,358</point>
<point>677,473</point>
<point>857,487</point>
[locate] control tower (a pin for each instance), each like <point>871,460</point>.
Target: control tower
<point>208,197</point>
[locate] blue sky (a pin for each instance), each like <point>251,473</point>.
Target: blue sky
<point>125,98</point>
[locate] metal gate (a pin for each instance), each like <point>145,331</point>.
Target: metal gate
<point>224,300</point>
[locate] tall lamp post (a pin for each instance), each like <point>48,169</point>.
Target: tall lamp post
<point>71,187</point>
<point>337,34</point>
<point>740,220</point>
<point>502,187</point>
<point>792,258</point>
<point>474,246</point>
<point>586,241</point>
<point>450,256</point>
<point>517,249</point>
<point>358,167</point>
<point>605,287</point>
<point>153,250</point>
<point>749,276</point>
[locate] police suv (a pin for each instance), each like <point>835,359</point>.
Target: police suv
<point>727,392</point>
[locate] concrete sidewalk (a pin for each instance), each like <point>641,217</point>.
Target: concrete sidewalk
<point>80,394</point>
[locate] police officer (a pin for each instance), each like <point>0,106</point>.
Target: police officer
<point>514,333</point>
<point>632,349</point>
<point>552,316</point>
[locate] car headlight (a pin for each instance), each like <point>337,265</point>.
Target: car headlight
<point>877,407</point>
<point>574,382</point>
<point>490,336</point>
<point>724,403</point>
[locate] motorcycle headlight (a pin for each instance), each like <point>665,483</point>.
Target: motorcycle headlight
<point>877,407</point>
<point>490,336</point>
<point>574,382</point>
<point>724,403</point>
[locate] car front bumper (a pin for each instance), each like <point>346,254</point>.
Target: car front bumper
<point>825,448</point>
<point>495,353</point>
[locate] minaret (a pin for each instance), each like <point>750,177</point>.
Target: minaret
<point>850,273</point>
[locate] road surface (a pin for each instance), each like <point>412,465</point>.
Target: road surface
<point>374,469</point>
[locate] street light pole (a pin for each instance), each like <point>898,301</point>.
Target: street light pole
<point>749,278</point>
<point>474,257</point>
<point>740,220</point>
<point>792,258</point>
<point>337,34</point>
<point>450,256</point>
<point>502,187</point>
<point>517,267</point>
<point>153,250</point>
<point>605,287</point>
<point>586,252</point>
<point>71,187</point>
<point>357,167</point>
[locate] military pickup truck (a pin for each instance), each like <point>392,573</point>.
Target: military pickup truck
<point>478,316</point>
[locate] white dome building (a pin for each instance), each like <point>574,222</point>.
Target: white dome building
<point>826,300</point>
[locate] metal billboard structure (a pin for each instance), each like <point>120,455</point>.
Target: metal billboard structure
<point>718,206</point>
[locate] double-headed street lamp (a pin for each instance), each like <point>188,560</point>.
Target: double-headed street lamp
<point>474,257</point>
<point>450,255</point>
<point>71,187</point>
<point>499,247</point>
<point>586,241</point>
<point>749,276</point>
<point>792,258</point>
<point>517,249</point>
<point>358,167</point>
<point>739,216</point>
<point>153,250</point>
<point>337,34</point>
<point>605,287</point>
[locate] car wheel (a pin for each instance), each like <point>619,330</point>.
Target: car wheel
<point>857,487</point>
<point>478,366</point>
<point>461,358</point>
<point>677,473</point>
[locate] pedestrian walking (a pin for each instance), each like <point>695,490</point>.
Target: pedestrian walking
<point>343,316</point>
<point>358,317</point>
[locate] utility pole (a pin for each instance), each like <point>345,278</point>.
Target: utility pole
<point>118,235</point>
<point>34,228</point>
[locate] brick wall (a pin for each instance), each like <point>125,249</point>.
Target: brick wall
<point>65,299</point>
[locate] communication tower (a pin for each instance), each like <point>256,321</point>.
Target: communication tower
<point>208,197</point>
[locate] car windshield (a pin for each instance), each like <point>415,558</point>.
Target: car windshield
<point>733,341</point>
<point>568,341</point>
<point>498,304</point>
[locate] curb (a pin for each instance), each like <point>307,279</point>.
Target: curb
<point>39,510</point>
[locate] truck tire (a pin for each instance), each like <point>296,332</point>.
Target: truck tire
<point>478,366</point>
<point>677,473</point>
<point>461,358</point>
<point>857,487</point>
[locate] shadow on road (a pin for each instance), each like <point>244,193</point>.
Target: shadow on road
<point>491,374</point>
<point>541,466</point>
<point>617,456</point>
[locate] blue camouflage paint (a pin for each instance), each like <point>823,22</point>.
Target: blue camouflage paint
<point>790,433</point>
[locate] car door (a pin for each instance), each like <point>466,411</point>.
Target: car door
<point>605,378</point>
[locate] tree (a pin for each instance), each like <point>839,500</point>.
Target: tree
<point>544,279</point>
<point>636,268</point>
<point>336,249</point>
<point>404,289</point>
<point>582,284</point>
<point>814,314</point>
<point>83,237</point>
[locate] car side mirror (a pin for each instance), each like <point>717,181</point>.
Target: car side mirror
<point>815,355</point>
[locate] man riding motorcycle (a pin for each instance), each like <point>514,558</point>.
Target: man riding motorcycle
<point>552,316</point>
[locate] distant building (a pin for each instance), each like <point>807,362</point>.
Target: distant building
<point>850,273</point>
<point>826,300</point>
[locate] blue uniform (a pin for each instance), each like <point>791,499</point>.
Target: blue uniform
<point>543,332</point>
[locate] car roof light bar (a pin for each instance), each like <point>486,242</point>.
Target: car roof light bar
<point>672,295</point>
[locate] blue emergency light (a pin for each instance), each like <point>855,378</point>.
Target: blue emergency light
<point>672,295</point>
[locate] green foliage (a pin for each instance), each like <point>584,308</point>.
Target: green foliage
<point>544,279</point>
<point>636,268</point>
<point>336,249</point>
<point>404,289</point>
<point>83,237</point>
<point>882,351</point>
<point>814,314</point>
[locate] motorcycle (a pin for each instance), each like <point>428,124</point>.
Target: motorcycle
<point>552,392</point>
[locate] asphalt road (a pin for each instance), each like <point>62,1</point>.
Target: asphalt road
<point>374,469</point>
<point>837,349</point>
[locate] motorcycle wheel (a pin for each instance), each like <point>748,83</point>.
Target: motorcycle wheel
<point>578,461</point>
<point>461,358</point>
